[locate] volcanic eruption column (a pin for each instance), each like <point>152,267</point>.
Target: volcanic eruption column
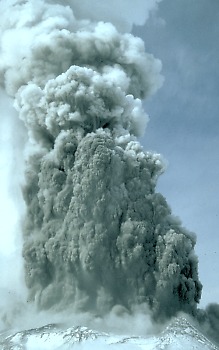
<point>96,234</point>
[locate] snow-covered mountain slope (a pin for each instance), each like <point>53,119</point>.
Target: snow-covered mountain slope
<point>180,334</point>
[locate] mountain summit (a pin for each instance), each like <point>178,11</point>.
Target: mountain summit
<point>180,334</point>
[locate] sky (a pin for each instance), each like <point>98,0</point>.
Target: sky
<point>184,122</point>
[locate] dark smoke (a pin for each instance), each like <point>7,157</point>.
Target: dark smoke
<point>96,234</point>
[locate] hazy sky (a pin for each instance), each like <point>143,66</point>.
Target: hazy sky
<point>184,123</point>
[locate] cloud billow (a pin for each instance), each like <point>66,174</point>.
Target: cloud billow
<point>96,234</point>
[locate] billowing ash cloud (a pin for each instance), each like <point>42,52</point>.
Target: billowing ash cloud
<point>96,233</point>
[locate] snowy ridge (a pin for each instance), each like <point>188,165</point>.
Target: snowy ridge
<point>180,334</point>
<point>51,336</point>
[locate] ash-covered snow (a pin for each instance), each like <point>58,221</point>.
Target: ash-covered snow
<point>180,334</point>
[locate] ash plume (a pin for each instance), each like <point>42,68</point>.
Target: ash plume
<point>95,234</point>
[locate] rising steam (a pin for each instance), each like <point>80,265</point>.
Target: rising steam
<point>95,234</point>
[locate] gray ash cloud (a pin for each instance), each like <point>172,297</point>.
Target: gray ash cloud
<point>95,234</point>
